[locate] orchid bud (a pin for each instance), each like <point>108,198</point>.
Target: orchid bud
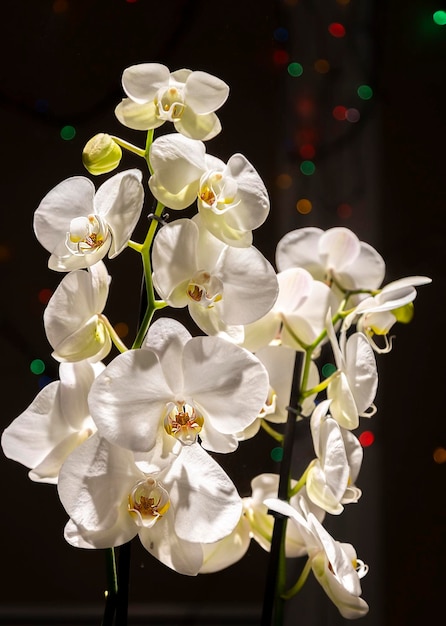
<point>101,154</point>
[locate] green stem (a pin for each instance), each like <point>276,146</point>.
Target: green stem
<point>152,304</point>
<point>129,146</point>
<point>274,434</point>
<point>299,583</point>
<point>113,334</point>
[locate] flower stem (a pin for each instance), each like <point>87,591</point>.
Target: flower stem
<point>122,601</point>
<point>272,614</point>
<point>112,588</point>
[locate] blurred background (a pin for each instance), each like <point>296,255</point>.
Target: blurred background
<point>339,105</point>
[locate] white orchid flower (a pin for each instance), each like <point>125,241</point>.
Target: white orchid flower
<point>257,523</point>
<point>331,476</point>
<point>188,386</point>
<point>187,99</point>
<point>299,312</point>
<point>334,564</point>
<point>218,283</point>
<point>187,501</point>
<point>79,227</point>
<point>54,424</point>
<point>232,198</point>
<point>377,314</point>
<point>334,254</point>
<point>353,387</point>
<point>74,323</point>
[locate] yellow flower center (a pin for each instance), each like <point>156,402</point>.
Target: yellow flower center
<point>184,423</point>
<point>147,502</point>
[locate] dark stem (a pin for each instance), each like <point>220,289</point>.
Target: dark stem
<point>122,601</point>
<point>273,604</point>
<point>110,603</point>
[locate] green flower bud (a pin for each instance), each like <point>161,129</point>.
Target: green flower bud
<point>101,154</point>
<point>404,314</point>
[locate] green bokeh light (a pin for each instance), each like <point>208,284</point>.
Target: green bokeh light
<point>295,69</point>
<point>277,454</point>
<point>37,366</point>
<point>365,92</point>
<point>68,132</point>
<point>328,369</point>
<point>439,18</point>
<point>307,167</point>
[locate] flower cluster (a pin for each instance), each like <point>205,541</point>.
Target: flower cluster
<point>129,438</point>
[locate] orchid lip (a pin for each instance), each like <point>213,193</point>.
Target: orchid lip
<point>148,502</point>
<point>184,423</point>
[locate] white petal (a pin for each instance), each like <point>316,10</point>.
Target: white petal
<point>202,127</point>
<point>177,162</point>
<point>119,200</point>
<point>227,381</point>
<point>35,432</point>
<point>185,557</point>
<point>226,552</point>
<point>138,116</point>
<point>250,285</point>
<point>361,371</point>
<point>299,248</point>
<point>207,506</point>
<point>69,199</point>
<point>167,338</point>
<point>95,481</point>
<point>343,407</point>
<point>141,82</point>
<point>128,399</point>
<point>174,260</point>
<point>339,247</point>
<point>205,93</point>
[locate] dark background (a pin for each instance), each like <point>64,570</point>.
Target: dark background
<point>61,64</point>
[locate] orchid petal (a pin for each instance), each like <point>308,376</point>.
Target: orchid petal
<point>141,82</point>
<point>120,201</point>
<point>128,399</point>
<point>205,93</point>
<point>138,116</point>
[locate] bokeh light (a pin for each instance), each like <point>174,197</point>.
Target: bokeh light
<point>307,151</point>
<point>295,69</point>
<point>281,57</point>
<point>68,132</point>
<point>44,295</point>
<point>37,366</point>
<point>60,6</point>
<point>281,34</point>
<point>439,18</point>
<point>304,206</point>
<point>339,113</point>
<point>336,29</point>
<point>5,252</point>
<point>307,167</point>
<point>365,92</point>
<point>366,438</point>
<point>439,455</point>
<point>121,329</point>
<point>277,454</point>
<point>322,66</point>
<point>352,115</point>
<point>284,181</point>
<point>328,369</point>
<point>344,210</point>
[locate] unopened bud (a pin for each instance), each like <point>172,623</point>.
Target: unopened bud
<point>101,154</point>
